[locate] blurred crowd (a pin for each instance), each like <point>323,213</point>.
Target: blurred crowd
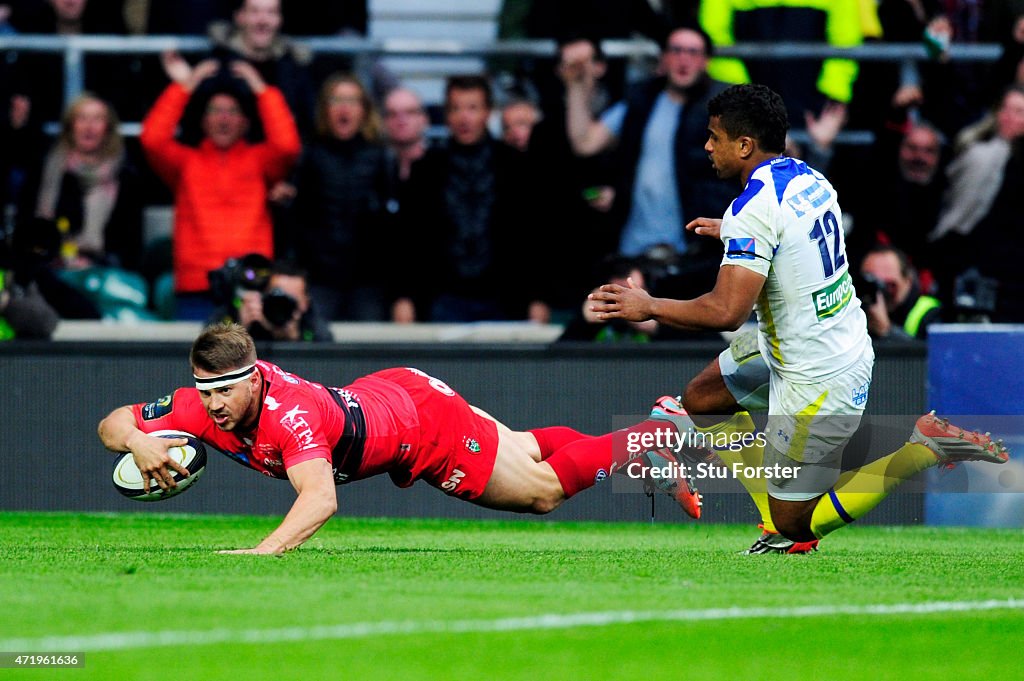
<point>313,188</point>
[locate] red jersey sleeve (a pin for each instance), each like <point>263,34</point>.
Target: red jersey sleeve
<point>297,430</point>
<point>181,410</point>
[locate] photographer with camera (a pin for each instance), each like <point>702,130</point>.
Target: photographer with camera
<point>892,298</point>
<point>270,300</point>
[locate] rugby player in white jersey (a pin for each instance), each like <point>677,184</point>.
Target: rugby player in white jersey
<point>785,258</point>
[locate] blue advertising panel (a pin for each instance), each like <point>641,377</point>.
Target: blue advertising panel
<point>975,377</point>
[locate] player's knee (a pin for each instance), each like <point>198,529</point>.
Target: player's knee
<point>795,529</point>
<point>697,400</point>
<point>546,504</point>
<point>706,393</point>
<point>550,498</point>
<point>693,403</point>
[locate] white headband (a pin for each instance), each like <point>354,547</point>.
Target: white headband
<point>224,380</point>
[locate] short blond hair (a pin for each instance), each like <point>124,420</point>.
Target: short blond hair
<point>222,347</point>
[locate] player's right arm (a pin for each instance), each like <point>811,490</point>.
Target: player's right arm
<point>725,308</point>
<point>317,501</point>
<point>119,433</point>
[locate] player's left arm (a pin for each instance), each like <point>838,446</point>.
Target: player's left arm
<point>725,308</point>
<point>316,503</point>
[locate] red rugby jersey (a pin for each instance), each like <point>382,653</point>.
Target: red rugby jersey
<point>364,429</point>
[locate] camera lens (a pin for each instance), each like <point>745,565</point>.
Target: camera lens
<point>278,307</point>
<point>867,286</point>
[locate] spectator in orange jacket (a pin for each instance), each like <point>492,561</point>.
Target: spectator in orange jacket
<point>220,187</point>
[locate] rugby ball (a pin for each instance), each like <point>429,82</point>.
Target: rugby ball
<point>128,479</point>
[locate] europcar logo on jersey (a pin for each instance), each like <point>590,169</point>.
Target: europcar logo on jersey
<point>833,298</point>
<point>471,444</point>
<point>155,410</point>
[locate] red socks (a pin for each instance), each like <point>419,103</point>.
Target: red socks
<point>554,438</point>
<point>582,463</point>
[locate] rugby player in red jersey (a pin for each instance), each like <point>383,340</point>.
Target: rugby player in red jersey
<point>398,421</point>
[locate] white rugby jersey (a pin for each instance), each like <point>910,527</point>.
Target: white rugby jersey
<point>787,226</point>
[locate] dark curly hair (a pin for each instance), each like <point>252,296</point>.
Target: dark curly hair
<point>754,111</point>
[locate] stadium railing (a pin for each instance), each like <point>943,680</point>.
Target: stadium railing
<point>71,331</point>
<point>75,48</point>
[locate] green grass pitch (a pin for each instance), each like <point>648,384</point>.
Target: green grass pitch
<point>432,599</point>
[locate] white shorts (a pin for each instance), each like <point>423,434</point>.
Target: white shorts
<point>745,372</point>
<point>808,428</point>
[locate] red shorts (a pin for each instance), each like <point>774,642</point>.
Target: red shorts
<point>456,447</point>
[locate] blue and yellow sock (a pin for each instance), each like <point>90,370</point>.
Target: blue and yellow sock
<point>752,456</point>
<point>860,490</point>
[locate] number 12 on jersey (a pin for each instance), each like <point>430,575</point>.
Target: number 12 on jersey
<point>824,227</point>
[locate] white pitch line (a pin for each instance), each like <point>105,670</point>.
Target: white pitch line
<point>131,640</point>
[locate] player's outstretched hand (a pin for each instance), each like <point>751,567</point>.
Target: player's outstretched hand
<point>711,227</point>
<point>152,460</point>
<point>629,302</point>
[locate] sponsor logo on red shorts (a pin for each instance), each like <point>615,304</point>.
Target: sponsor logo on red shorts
<point>451,483</point>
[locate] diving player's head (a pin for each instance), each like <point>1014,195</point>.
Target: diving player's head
<point>223,360</point>
<point>748,124</point>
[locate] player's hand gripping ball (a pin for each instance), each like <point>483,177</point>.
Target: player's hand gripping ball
<point>128,479</point>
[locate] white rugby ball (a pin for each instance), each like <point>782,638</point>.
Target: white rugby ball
<point>128,479</point>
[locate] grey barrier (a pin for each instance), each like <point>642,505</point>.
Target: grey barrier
<point>54,394</point>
